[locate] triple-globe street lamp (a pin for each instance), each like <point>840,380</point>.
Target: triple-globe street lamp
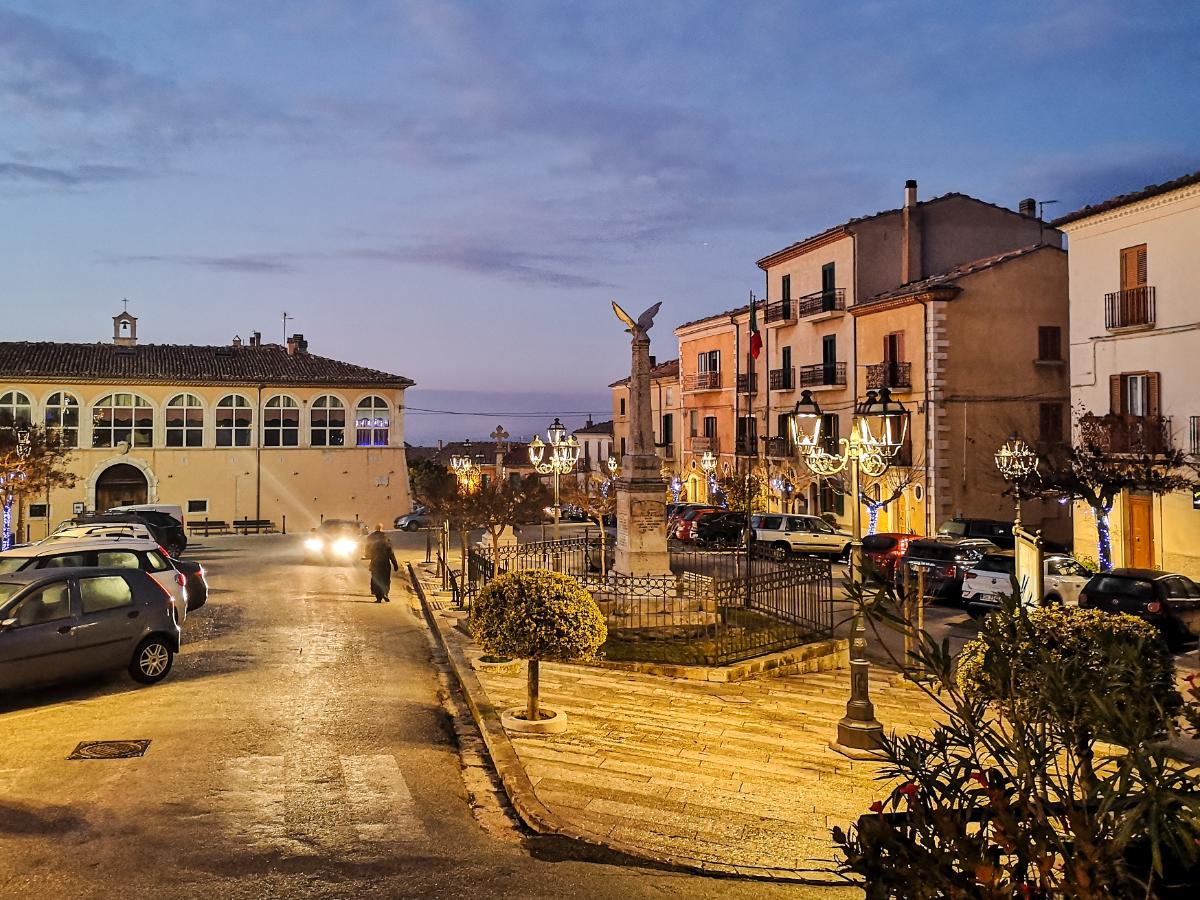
<point>1016,462</point>
<point>465,468</point>
<point>876,437</point>
<point>708,464</point>
<point>564,454</point>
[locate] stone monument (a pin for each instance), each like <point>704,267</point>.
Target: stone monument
<point>641,509</point>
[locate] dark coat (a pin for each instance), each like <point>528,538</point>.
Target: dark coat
<point>382,562</point>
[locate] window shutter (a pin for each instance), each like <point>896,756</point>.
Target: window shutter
<point>1141,264</point>
<point>1114,395</point>
<point>900,357</point>
<point>1133,267</point>
<point>1153,404</point>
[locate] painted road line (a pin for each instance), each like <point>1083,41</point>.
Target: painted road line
<point>380,804</point>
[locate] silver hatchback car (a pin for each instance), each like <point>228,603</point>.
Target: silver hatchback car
<point>60,624</point>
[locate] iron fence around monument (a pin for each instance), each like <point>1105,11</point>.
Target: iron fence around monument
<point>715,608</point>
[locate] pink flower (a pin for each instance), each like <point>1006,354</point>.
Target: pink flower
<point>877,807</point>
<point>1190,679</point>
<point>981,778</point>
<point>909,790</point>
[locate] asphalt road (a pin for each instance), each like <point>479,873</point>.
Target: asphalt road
<point>300,748</point>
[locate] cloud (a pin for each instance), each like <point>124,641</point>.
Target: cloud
<point>265,263</point>
<point>480,259</point>
<point>1076,180</point>
<point>76,176</point>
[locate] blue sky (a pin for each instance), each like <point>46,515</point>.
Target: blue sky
<point>454,191</point>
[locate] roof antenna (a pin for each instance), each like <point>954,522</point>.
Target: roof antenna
<point>286,319</point>
<point>1042,204</point>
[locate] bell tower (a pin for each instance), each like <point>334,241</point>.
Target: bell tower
<point>125,328</point>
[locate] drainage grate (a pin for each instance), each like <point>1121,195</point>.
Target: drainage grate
<point>109,749</point>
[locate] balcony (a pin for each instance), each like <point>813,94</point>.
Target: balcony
<point>785,311</point>
<point>889,375</point>
<point>702,381</point>
<point>701,442</point>
<point>747,384</point>
<point>1132,308</point>
<point>823,374</point>
<point>783,379</point>
<point>665,451</point>
<point>747,446</point>
<point>779,448</point>
<point>1120,435</point>
<point>780,311</point>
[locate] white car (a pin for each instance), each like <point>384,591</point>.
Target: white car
<point>785,534</point>
<point>991,578</point>
<point>132,530</point>
<point>124,553</point>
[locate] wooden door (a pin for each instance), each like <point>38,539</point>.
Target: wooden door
<point>1139,532</point>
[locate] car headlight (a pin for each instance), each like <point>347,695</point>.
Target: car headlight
<point>344,546</point>
<point>314,543</point>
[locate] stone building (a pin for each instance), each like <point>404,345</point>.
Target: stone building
<point>244,431</point>
<point>665,405</point>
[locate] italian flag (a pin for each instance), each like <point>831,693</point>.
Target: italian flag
<point>755,337</point>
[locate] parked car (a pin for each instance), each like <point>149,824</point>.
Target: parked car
<point>687,522</point>
<point>108,553</point>
<point>129,531</point>
<point>990,579</point>
<point>418,518</point>
<point>884,550</point>
<point>336,540</point>
<point>999,533</point>
<point>785,534</point>
<point>944,561</point>
<point>720,530</point>
<point>1168,601</point>
<point>58,624</point>
<point>163,527</point>
<point>170,509</point>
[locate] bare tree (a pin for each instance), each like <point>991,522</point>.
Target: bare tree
<point>32,463</point>
<point>879,493</point>
<point>597,497</point>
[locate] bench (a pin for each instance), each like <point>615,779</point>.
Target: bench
<point>208,526</point>
<point>258,526</point>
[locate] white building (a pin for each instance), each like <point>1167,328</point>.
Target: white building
<point>1134,263</point>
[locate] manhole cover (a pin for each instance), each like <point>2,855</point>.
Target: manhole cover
<point>109,749</point>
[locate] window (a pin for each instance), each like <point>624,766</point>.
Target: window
<point>710,426</point>
<point>747,435</point>
<point>1133,267</point>
<point>185,421</point>
<point>693,422</point>
<point>668,430</point>
<point>156,562</point>
<point>709,361</point>
<point>281,423</point>
<point>622,402</point>
<point>1049,343</point>
<point>48,604</point>
<point>197,506</point>
<point>39,511</point>
<point>622,447</point>
<point>118,559</point>
<point>62,418</point>
<point>893,347</point>
<point>233,421</point>
<point>328,417</point>
<point>1050,423</point>
<point>785,358</point>
<point>828,287</point>
<point>122,419</point>
<point>830,432</point>
<point>372,419</point>
<point>785,287</point>
<point>104,592</point>
<point>15,410</point>
<point>63,561</point>
<point>1134,394</point>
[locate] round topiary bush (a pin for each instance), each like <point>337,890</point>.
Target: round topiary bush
<point>537,615</point>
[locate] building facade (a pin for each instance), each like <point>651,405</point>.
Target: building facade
<point>666,409</point>
<point>1135,338</point>
<point>245,431</point>
<point>595,447</point>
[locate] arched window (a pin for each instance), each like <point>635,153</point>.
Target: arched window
<point>372,418</point>
<point>62,418</point>
<point>15,410</point>
<point>328,422</point>
<point>281,422</point>
<point>122,418</point>
<point>233,421</point>
<point>185,421</point>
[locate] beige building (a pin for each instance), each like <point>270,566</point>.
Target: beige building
<point>665,405</point>
<point>595,447</point>
<point>245,431</point>
<point>1135,339</point>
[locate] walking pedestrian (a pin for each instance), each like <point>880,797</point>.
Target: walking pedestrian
<point>382,562</point>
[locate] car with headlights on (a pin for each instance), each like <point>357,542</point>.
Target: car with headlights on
<point>338,541</point>
<point>58,624</point>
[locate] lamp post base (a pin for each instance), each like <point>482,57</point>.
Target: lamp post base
<point>859,739</point>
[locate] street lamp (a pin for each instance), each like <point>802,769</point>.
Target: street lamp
<point>564,453</point>
<point>708,463</point>
<point>1016,462</point>
<point>876,437</point>
<point>465,469</point>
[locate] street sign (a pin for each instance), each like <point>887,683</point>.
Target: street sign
<point>77,508</point>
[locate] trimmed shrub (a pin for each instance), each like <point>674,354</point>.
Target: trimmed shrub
<point>537,614</point>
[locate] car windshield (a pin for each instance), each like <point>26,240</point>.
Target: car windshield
<point>12,563</point>
<point>1066,567</point>
<point>7,589</point>
<point>1003,564</point>
<point>1136,588</point>
<point>1180,588</point>
<point>878,543</point>
<point>957,528</point>
<point>814,524</point>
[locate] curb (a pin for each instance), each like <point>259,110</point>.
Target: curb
<point>538,817</point>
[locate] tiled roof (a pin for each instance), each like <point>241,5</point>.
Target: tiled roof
<point>1152,190</point>
<point>596,428</point>
<point>181,364</point>
<point>721,315</point>
<point>669,369</point>
<point>951,276</point>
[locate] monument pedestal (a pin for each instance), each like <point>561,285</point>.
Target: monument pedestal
<point>641,518</point>
<point>507,539</point>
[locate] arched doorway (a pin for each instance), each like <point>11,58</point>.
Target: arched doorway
<point>120,485</point>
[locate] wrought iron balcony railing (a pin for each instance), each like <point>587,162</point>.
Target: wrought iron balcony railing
<point>666,451</point>
<point>1131,308</point>
<point>779,448</point>
<point>783,379</point>
<point>808,305</point>
<point>748,384</point>
<point>823,374</point>
<point>702,442</point>
<point>889,375</point>
<point>747,446</point>
<point>702,381</point>
<point>1121,435</point>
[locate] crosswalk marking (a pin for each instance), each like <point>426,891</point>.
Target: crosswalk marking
<point>380,803</point>
<point>253,797</point>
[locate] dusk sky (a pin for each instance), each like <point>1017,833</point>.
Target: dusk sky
<point>455,191</point>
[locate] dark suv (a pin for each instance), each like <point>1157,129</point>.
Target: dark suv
<point>943,561</point>
<point>999,533</point>
<point>165,528</point>
<point>1169,602</point>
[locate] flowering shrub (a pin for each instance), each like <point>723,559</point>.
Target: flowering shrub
<point>537,614</point>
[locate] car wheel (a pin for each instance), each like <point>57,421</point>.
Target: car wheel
<point>151,661</point>
<point>780,550</point>
<point>410,526</point>
<point>1053,600</point>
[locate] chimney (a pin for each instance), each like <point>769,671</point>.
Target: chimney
<point>1028,207</point>
<point>910,249</point>
<point>256,339</point>
<point>237,340</point>
<point>297,345</point>
<point>653,361</point>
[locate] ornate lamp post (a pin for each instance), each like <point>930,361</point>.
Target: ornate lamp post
<point>564,453</point>
<point>708,464</point>
<point>465,468</point>
<point>1016,462</point>
<point>876,437</point>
